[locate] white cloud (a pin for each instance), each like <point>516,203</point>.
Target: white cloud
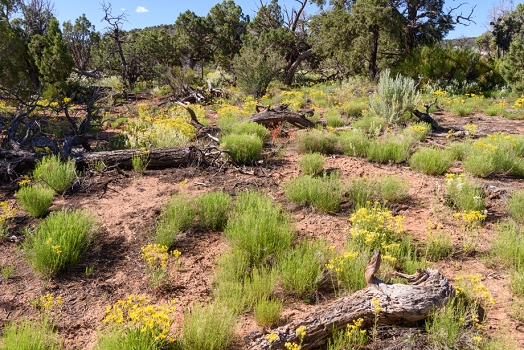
<point>141,9</point>
<point>123,9</point>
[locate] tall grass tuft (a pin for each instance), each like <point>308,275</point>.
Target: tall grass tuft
<point>30,335</point>
<point>389,148</point>
<point>177,215</point>
<point>462,194</point>
<point>354,143</point>
<point>212,209</point>
<point>314,140</point>
<point>431,161</point>
<point>311,163</point>
<point>267,312</point>
<point>36,199</point>
<point>302,268</point>
<point>516,206</point>
<point>324,193</point>
<point>246,148</point>
<point>56,174</point>
<point>59,241</point>
<point>258,227</point>
<point>208,327</point>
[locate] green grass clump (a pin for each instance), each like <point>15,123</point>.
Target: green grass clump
<point>431,161</point>
<point>516,206</point>
<point>56,174</point>
<point>314,140</point>
<point>30,335</point>
<point>438,246</point>
<point>324,193</point>
<point>59,241</point>
<point>461,110</point>
<point>390,148</point>
<point>267,312</point>
<point>354,143</point>
<point>208,327</point>
<point>495,111</point>
<point>333,118</point>
<point>446,325</point>
<point>301,269</point>
<point>246,148</point>
<point>370,123</point>
<point>464,195</point>
<point>418,131</point>
<point>311,163</point>
<point>497,153</point>
<point>121,338</point>
<point>508,246</point>
<point>349,267</point>
<point>232,269</point>
<point>458,150</point>
<point>36,199</point>
<point>390,189</point>
<point>258,227</point>
<point>178,215</point>
<point>251,128</point>
<point>212,209</point>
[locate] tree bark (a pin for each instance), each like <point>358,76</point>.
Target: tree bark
<point>290,74</point>
<point>400,304</point>
<point>280,114</point>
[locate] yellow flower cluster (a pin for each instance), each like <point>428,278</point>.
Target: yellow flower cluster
<point>439,93</point>
<point>137,312</point>
<point>375,227</point>
<point>471,128</point>
<point>473,283</point>
<point>301,333</point>
<point>229,111</point>
<point>292,346</point>
<point>47,303</point>
<point>5,212</point>
<point>471,219</point>
<point>519,102</point>
<point>155,256</point>
<point>356,328</point>
<point>271,338</point>
<point>56,248</point>
<point>249,105</point>
<point>339,263</point>
<point>375,303</point>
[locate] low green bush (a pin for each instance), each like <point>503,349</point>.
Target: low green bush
<point>177,215</point>
<point>431,161</point>
<point>212,209</point>
<point>390,148</point>
<point>354,143</point>
<point>463,194</point>
<point>30,335</point>
<point>316,141</point>
<point>392,189</point>
<point>370,123</point>
<point>251,128</point>
<point>267,312</point>
<point>59,241</point>
<point>258,227</point>
<point>302,268</point>
<point>56,174</point>
<point>245,148</point>
<point>418,131</point>
<point>35,200</point>
<point>324,193</point>
<point>311,163</point>
<point>438,246</point>
<point>208,327</point>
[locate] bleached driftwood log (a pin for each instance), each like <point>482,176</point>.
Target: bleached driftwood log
<point>401,304</point>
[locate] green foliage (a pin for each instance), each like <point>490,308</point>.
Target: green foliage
<point>301,269</point>
<point>354,143</point>
<point>394,97</point>
<point>36,199</point>
<point>56,174</point>
<point>59,240</point>
<point>458,150</point>
<point>258,227</point>
<point>246,148</point>
<point>7,271</point>
<point>348,268</point>
<point>314,140</point>
<point>438,246</point>
<point>418,131</point>
<point>508,245</point>
<point>324,193</point>
<point>446,325</point>
<point>30,335</point>
<point>208,327</point>
<point>311,163</point>
<point>117,338</point>
<point>462,194</point>
<point>516,206</point>
<point>392,189</point>
<point>256,66</point>
<point>267,312</point>
<point>389,148</point>
<point>385,189</point>
<point>139,161</point>
<point>370,123</point>
<point>212,209</point>
<point>513,63</point>
<point>250,128</point>
<point>177,215</point>
<point>431,161</point>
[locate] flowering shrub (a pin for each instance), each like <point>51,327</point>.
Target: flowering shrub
<point>462,194</point>
<point>156,258</point>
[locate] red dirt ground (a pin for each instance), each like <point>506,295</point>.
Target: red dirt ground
<point>127,206</point>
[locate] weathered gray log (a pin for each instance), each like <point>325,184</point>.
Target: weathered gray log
<point>159,158</point>
<point>400,304</point>
<point>278,115</point>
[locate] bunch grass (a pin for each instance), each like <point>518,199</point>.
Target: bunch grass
<point>179,214</point>
<point>56,174</point>
<point>35,199</point>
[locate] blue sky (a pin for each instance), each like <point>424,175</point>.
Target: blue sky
<point>144,13</point>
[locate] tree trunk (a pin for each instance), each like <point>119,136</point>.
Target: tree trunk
<point>290,74</point>
<point>399,304</point>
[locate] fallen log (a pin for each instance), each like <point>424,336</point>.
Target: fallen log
<point>398,304</point>
<point>268,115</point>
